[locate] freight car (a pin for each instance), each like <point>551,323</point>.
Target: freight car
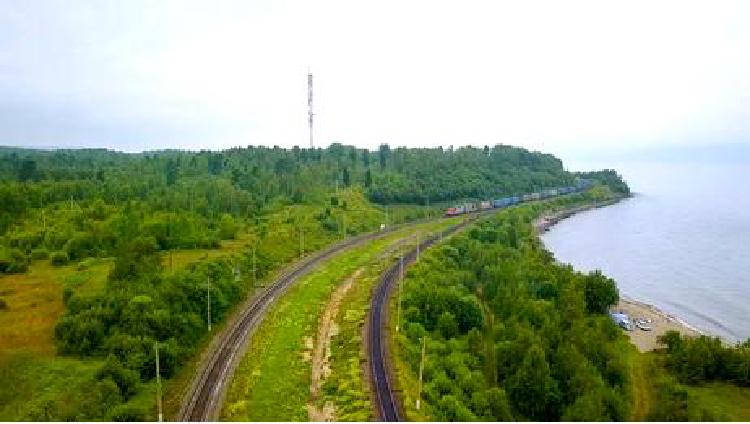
<point>580,185</point>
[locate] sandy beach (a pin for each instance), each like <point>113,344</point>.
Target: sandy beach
<point>660,323</point>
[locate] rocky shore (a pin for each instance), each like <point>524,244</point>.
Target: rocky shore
<point>546,221</point>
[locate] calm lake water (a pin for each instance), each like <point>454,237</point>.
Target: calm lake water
<point>681,244</point>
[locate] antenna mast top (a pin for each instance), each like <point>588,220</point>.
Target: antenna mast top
<point>310,104</point>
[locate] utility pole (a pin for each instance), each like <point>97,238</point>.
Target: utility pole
<point>417,246</point>
<point>254,275</point>
<point>158,384</point>
<point>310,104</point>
<point>401,267</point>
<point>421,371</point>
<point>386,216</point>
<point>400,283</point>
<point>171,248</point>
<point>208,309</point>
<point>301,244</point>
<point>343,221</point>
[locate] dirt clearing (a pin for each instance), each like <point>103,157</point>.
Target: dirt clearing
<point>321,353</point>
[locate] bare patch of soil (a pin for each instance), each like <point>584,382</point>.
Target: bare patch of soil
<point>321,351</point>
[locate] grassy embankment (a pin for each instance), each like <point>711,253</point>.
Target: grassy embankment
<point>30,371</point>
<point>277,360</point>
<point>39,383</point>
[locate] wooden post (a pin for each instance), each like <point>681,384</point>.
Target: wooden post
<point>421,371</point>
<point>158,384</point>
<point>208,309</point>
<point>400,283</point>
<point>254,276</point>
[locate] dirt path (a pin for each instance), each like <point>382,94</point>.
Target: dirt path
<point>642,390</point>
<point>321,354</point>
<point>319,349</point>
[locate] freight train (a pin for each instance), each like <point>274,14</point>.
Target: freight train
<point>504,202</point>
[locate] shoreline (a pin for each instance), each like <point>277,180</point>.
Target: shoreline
<point>659,321</point>
<point>547,221</point>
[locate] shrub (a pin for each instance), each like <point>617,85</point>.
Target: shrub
<point>67,294</point>
<point>59,258</point>
<point>210,242</point>
<point>103,396</point>
<point>38,254</point>
<point>128,413</point>
<point>136,259</point>
<point>227,227</point>
<point>86,264</point>
<point>12,261</point>
<point>126,380</point>
<point>672,402</point>
<point>80,246</point>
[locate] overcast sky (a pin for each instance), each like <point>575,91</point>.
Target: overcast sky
<point>556,76</point>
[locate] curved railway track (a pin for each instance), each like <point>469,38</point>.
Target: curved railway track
<point>387,405</point>
<point>203,401</point>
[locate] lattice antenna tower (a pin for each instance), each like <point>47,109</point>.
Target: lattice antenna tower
<point>310,104</point>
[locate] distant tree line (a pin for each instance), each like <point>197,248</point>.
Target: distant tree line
<point>73,204</point>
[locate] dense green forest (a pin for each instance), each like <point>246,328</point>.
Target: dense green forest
<point>510,334</point>
<point>128,213</point>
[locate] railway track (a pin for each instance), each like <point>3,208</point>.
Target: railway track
<point>203,401</point>
<point>387,405</point>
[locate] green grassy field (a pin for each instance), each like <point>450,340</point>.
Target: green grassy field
<point>277,360</point>
<point>726,402</point>
<point>37,381</point>
<point>35,301</point>
<point>35,378</point>
<point>707,402</point>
